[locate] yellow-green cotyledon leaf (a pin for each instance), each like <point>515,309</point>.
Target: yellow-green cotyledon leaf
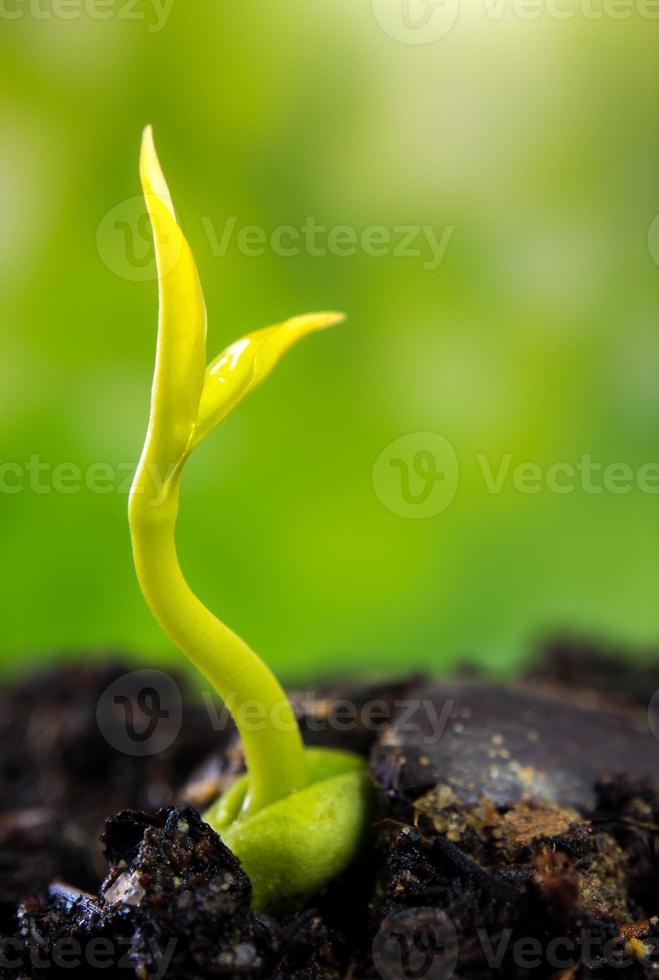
<point>181,351</point>
<point>294,847</point>
<point>246,363</point>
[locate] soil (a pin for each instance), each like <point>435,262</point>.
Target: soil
<point>516,833</point>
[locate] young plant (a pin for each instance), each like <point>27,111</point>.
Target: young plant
<point>296,818</point>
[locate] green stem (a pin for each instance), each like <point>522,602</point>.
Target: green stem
<point>273,746</point>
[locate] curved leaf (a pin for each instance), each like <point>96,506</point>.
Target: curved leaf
<point>181,348</point>
<point>246,363</point>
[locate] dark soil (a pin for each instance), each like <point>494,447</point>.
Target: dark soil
<point>516,834</point>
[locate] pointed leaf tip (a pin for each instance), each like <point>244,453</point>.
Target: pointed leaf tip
<point>181,347</point>
<point>151,175</point>
<point>186,402</point>
<point>246,363</point>
<point>317,321</point>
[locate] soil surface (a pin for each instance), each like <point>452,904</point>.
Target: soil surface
<point>516,832</point>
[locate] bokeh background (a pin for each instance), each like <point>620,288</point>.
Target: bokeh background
<point>529,139</point>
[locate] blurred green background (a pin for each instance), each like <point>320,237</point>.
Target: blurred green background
<point>530,142</point>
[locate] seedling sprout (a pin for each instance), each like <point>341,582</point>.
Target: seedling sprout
<point>296,818</point>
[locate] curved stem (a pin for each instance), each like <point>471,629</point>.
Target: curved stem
<point>273,745</point>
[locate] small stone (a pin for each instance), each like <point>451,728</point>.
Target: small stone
<point>126,889</point>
